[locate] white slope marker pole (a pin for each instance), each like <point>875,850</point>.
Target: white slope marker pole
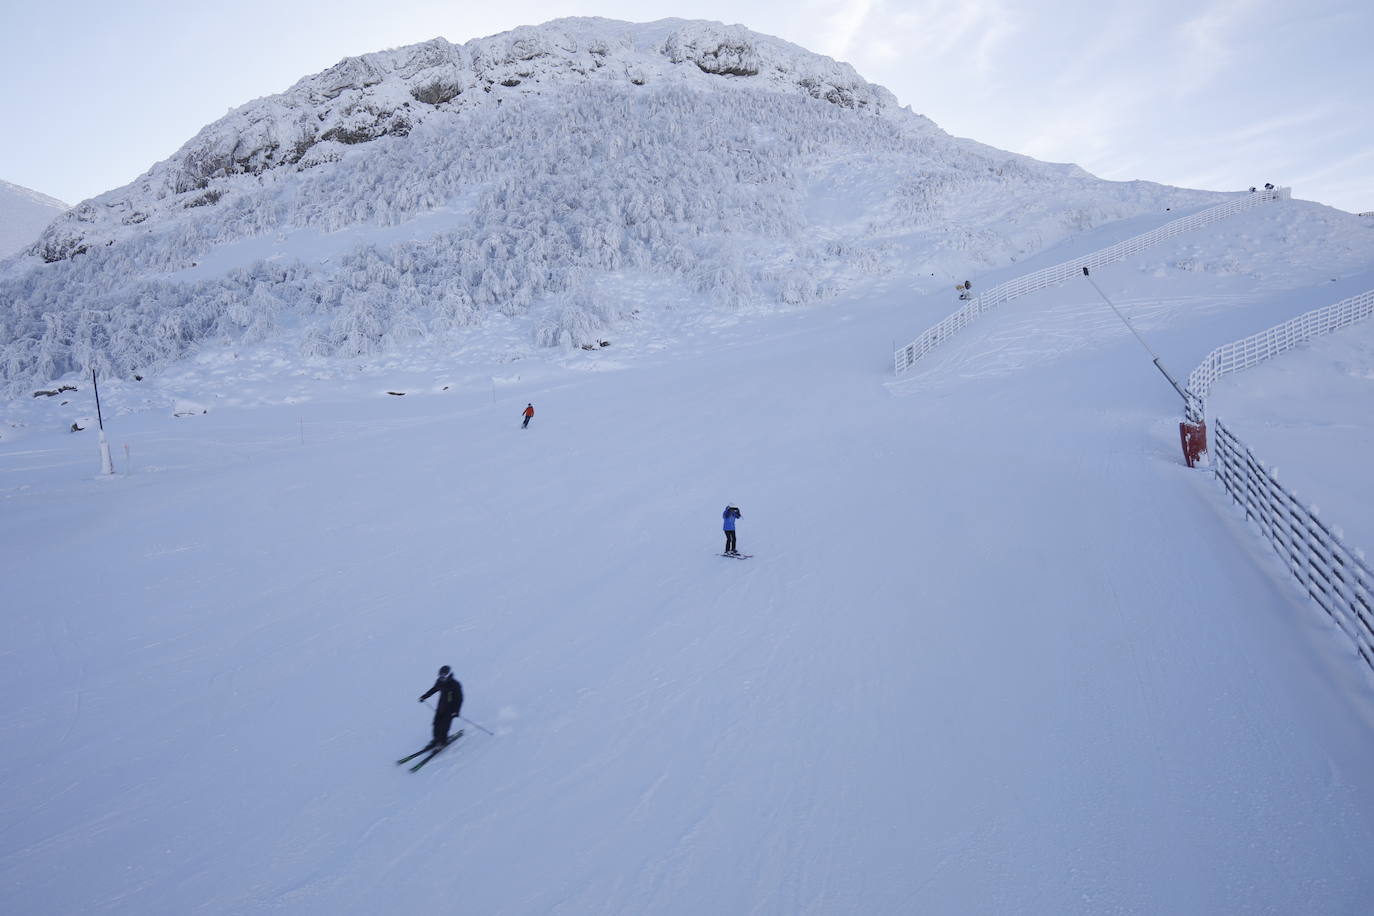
<point>106,465</point>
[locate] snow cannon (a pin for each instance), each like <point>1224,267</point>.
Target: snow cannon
<point>1193,435</point>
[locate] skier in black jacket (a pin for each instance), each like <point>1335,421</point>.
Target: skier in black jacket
<point>450,704</point>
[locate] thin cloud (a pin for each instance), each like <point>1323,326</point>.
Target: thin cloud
<point>1334,170</point>
<point>1091,56</point>
<point>844,21</point>
<point>1088,127</point>
<point>962,36</point>
<point>1278,125</point>
<point>995,25</point>
<point>1206,43</point>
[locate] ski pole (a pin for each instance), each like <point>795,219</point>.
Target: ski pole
<point>468,721</point>
<point>482,727</point>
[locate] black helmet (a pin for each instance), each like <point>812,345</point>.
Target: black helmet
<point>445,671</point>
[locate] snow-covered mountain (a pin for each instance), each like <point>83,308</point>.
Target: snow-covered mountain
<point>527,178</point>
<point>23,215</point>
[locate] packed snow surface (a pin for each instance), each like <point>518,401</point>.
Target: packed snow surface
<point>997,650</point>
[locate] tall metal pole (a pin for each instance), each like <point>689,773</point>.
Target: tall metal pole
<point>1153,355</point>
<point>1192,432</point>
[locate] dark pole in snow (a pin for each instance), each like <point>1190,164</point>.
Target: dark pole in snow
<point>99,419</point>
<point>106,463</point>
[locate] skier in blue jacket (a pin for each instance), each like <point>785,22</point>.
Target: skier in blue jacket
<point>729,515</point>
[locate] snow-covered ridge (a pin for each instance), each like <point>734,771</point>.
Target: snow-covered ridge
<point>522,178</point>
<point>19,192</point>
<point>390,93</point>
<point>24,213</point>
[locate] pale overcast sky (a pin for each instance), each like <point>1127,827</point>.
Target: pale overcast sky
<point>1217,94</point>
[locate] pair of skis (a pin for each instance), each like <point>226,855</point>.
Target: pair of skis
<point>738,556</point>
<point>431,750</point>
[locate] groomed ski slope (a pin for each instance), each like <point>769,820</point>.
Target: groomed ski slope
<point>998,650</point>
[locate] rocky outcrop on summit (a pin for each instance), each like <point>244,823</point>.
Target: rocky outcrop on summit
<point>726,55</point>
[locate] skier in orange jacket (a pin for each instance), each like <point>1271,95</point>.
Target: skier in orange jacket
<point>528,413</point>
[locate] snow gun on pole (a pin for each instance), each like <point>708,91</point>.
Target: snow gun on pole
<point>1193,430</point>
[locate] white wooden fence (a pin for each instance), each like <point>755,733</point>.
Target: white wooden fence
<point>1336,578</point>
<point>907,356</point>
<point>1244,353</point>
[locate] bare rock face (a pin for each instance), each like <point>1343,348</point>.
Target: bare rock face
<point>735,51</point>
<point>437,91</point>
<point>723,51</point>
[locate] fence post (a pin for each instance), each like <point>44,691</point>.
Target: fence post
<point>1336,578</point>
